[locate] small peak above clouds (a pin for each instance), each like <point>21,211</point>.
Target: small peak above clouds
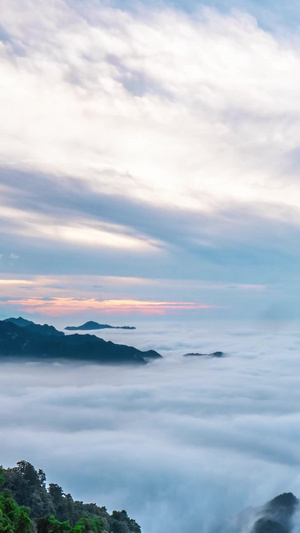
<point>90,325</point>
<point>276,516</point>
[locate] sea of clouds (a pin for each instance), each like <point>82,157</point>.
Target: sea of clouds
<point>183,444</point>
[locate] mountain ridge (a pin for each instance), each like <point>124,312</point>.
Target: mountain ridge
<point>45,342</point>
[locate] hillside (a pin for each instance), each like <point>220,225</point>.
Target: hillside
<point>28,505</point>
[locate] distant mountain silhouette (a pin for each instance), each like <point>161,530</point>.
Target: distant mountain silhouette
<point>22,322</point>
<point>195,354</point>
<point>88,326</point>
<point>28,325</point>
<point>45,342</point>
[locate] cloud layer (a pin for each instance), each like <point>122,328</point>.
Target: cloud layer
<point>183,441</point>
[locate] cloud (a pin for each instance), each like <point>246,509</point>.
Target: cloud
<point>181,441</point>
<point>149,143</point>
<point>149,156</point>
<point>61,220</point>
<point>206,95</point>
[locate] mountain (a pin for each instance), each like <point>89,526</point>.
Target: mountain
<point>214,354</point>
<point>276,515</point>
<point>22,322</point>
<point>35,328</point>
<point>45,342</point>
<point>264,525</point>
<point>88,326</point>
<point>27,506</point>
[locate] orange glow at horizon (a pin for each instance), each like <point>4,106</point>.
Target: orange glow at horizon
<point>62,306</point>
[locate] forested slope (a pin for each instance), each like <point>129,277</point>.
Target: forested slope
<point>28,505</point>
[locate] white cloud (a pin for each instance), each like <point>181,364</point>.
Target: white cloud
<point>212,114</point>
<point>181,441</point>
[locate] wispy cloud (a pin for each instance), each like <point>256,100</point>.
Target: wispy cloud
<point>67,306</point>
<point>192,128</point>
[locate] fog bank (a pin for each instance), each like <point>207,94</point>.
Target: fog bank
<point>184,442</point>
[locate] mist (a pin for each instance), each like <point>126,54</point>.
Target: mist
<point>184,442</point>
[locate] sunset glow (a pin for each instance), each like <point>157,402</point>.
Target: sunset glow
<point>65,306</point>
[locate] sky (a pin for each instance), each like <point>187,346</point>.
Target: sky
<point>183,444</point>
<point>149,176</point>
<point>149,159</point>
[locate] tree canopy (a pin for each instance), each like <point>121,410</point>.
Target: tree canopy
<point>28,505</point>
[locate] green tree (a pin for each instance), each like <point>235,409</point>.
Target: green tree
<point>50,525</point>
<point>90,525</point>
<point>29,488</point>
<point>23,523</point>
<point>56,494</point>
<point>25,501</point>
<point>13,519</point>
<point>28,473</point>
<point>1,475</point>
<point>120,519</point>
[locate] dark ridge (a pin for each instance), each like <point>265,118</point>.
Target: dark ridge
<point>21,322</point>
<point>286,501</point>
<point>276,515</point>
<point>263,525</point>
<point>45,342</point>
<point>35,328</point>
